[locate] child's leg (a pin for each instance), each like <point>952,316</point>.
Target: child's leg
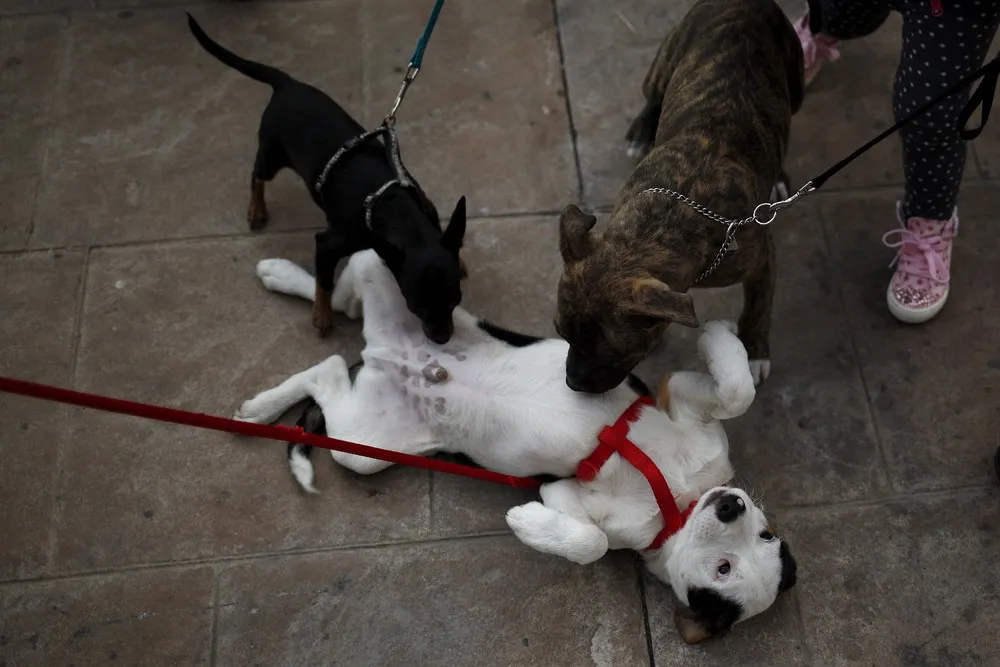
<point>937,52</point>
<point>846,19</point>
<point>827,21</point>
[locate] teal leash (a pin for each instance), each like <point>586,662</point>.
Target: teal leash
<point>415,62</point>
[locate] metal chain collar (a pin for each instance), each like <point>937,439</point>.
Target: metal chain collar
<point>764,214</point>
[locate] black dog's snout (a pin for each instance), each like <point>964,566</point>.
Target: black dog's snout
<point>439,333</point>
<point>729,507</point>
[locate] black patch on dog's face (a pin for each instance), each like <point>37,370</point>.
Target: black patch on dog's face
<point>708,615</point>
<point>789,568</point>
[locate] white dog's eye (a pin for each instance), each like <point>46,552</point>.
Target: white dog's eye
<point>766,535</point>
<point>724,568</point>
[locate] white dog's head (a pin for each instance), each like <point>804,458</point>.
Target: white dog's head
<point>725,565</point>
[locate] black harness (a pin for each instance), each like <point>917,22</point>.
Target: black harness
<point>402,179</point>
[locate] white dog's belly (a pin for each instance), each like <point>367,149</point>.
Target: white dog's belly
<point>507,409</point>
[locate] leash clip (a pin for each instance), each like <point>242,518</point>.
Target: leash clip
<point>411,75</point>
<point>760,214</point>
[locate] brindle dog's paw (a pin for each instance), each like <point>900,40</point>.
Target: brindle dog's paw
<point>782,189</point>
<point>322,316</point>
<point>637,148</point>
<point>760,369</point>
<point>640,136</point>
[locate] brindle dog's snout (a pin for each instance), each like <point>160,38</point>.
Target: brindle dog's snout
<point>729,507</point>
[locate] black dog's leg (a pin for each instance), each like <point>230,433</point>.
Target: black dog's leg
<point>269,161</point>
<point>329,252</point>
<point>642,132</point>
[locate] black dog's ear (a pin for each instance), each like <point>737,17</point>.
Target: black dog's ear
<point>789,568</point>
<point>390,254</point>
<point>708,615</point>
<point>654,298</point>
<point>576,241</point>
<point>454,235</point>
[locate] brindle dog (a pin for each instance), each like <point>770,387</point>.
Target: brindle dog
<point>720,96</point>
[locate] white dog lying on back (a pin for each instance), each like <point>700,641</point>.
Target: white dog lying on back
<point>501,399</point>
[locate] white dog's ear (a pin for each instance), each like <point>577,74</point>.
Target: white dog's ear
<point>709,615</point>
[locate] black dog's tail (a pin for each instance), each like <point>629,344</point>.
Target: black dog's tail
<point>311,421</point>
<point>263,73</point>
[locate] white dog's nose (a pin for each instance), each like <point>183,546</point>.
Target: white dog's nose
<point>729,507</point>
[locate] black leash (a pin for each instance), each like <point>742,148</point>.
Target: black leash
<point>981,98</point>
<point>765,213</point>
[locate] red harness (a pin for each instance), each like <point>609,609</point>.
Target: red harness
<point>614,440</point>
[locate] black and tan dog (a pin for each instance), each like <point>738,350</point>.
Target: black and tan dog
<point>720,96</point>
<point>302,128</point>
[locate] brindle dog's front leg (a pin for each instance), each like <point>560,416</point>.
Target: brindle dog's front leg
<point>755,320</point>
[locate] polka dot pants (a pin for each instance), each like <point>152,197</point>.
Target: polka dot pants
<point>937,51</point>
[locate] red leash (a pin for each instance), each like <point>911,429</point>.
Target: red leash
<point>270,432</point>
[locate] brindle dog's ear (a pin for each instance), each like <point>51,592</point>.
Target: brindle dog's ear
<point>576,241</point>
<point>654,298</point>
<point>710,615</point>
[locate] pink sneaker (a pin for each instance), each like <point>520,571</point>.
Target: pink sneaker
<point>919,288</point>
<point>815,48</point>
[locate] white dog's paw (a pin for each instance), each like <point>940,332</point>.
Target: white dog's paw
<point>550,531</point>
<point>760,369</point>
<point>528,521</point>
<point>277,274</point>
<point>259,410</point>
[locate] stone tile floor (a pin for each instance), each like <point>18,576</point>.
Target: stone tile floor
<point>126,268</point>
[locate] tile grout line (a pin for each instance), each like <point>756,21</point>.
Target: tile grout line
<point>787,512</point>
<point>800,623</point>
<point>865,503</point>
<point>218,561</point>
<point>165,4</point>
<point>858,362</point>
<point>641,582</point>
<point>366,87</point>
<point>430,501</point>
<point>235,236</point>
<point>57,91</point>
<point>569,106</point>
<point>214,654</point>
<point>56,513</point>
<point>975,162</point>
